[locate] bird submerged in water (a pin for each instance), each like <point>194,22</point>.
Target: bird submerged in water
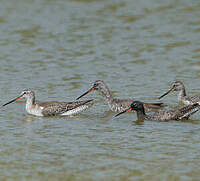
<point>176,114</point>
<point>118,105</point>
<point>179,87</point>
<point>52,108</point>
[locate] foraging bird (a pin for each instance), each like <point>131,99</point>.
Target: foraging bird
<point>118,105</point>
<point>179,87</point>
<point>176,114</point>
<point>52,108</point>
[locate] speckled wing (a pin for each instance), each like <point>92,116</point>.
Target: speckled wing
<point>187,111</point>
<point>178,114</point>
<point>119,105</point>
<point>193,99</point>
<point>162,116</point>
<point>58,108</point>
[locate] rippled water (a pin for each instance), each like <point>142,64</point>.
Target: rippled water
<point>59,48</point>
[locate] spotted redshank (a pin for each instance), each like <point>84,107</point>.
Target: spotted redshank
<point>182,97</point>
<point>118,105</point>
<point>52,108</point>
<point>176,114</point>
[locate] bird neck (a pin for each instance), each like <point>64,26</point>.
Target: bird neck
<point>181,94</point>
<point>30,101</point>
<point>141,114</point>
<point>106,93</point>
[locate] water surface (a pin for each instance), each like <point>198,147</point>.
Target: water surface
<point>58,49</point>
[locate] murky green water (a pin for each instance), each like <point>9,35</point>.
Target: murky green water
<point>59,48</point>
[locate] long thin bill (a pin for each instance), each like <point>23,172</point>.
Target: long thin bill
<point>171,90</point>
<point>12,101</point>
<point>129,109</point>
<point>90,90</point>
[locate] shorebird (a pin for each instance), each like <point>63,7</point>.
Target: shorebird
<point>52,108</point>
<point>118,105</point>
<point>182,97</point>
<point>176,114</point>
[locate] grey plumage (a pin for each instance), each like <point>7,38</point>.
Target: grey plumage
<point>118,105</point>
<point>179,87</point>
<point>175,114</point>
<point>59,108</point>
<point>52,108</point>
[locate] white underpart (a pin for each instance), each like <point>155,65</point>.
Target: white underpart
<point>76,110</point>
<point>179,96</point>
<point>186,102</point>
<point>183,99</point>
<point>37,111</point>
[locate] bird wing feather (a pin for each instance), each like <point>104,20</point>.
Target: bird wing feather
<point>184,112</point>
<point>57,108</point>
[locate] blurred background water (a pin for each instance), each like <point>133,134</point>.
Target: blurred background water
<point>59,48</point>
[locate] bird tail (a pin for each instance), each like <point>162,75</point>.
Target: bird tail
<point>187,111</point>
<point>155,105</point>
